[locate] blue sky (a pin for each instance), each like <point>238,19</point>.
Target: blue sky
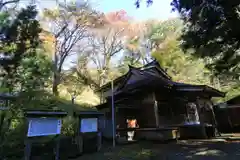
<point>160,9</point>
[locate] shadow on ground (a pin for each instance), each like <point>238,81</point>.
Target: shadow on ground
<point>171,151</point>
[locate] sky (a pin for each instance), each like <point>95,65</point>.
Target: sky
<point>160,9</point>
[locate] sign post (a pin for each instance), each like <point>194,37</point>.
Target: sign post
<point>88,136</point>
<point>113,116</point>
<point>41,124</point>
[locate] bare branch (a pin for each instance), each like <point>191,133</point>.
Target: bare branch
<point>3,4</point>
<point>103,46</point>
<point>69,27</point>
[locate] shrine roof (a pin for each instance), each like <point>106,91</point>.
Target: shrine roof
<point>154,65</point>
<point>155,83</point>
<point>153,76</point>
<point>197,88</point>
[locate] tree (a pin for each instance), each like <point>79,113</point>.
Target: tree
<point>73,85</point>
<point>160,31</point>
<point>137,50</point>
<point>5,3</point>
<point>138,2</point>
<point>69,26</point>
<point>24,69</point>
<point>103,47</point>
<point>104,44</point>
<point>165,47</point>
<point>181,67</point>
<point>19,40</point>
<point>211,29</point>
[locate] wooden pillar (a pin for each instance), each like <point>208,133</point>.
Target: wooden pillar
<point>200,118</point>
<point>214,119</point>
<point>198,110</point>
<point>156,109</point>
<point>79,136</point>
<point>27,149</point>
<point>27,144</point>
<point>57,149</point>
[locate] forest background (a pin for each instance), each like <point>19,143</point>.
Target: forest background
<point>57,58</point>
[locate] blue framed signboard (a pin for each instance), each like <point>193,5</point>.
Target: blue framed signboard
<point>89,125</point>
<point>44,126</point>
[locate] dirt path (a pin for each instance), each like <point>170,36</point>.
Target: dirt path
<point>171,151</point>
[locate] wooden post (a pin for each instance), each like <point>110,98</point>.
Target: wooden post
<point>198,110</point>
<point>27,149</point>
<point>79,137</point>
<point>113,117</point>
<point>99,140</point>
<point>57,149</point>
<point>28,144</point>
<point>156,110</point>
<point>200,118</point>
<point>214,119</point>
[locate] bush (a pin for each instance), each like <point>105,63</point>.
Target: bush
<point>69,126</point>
<point>13,145</point>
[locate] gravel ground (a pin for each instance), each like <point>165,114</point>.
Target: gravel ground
<point>190,149</point>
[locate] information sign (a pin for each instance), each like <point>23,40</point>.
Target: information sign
<point>89,125</point>
<point>44,127</point>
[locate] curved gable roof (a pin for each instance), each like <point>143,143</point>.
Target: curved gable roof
<point>122,80</point>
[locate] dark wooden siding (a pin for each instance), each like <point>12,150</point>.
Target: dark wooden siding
<point>228,119</point>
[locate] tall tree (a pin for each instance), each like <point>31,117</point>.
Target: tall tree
<point>103,47</point>
<point>165,47</point>
<point>24,68</point>
<point>137,50</point>
<point>181,67</point>
<point>19,40</point>
<point>69,25</point>
<point>212,31</point>
<point>73,85</point>
<point>104,44</point>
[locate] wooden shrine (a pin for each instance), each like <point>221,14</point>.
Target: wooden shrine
<point>160,105</point>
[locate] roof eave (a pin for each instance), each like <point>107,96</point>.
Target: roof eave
<point>202,88</point>
<point>213,90</point>
<point>107,86</point>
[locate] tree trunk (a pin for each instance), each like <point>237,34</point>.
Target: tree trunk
<point>55,84</point>
<point>55,80</point>
<point>73,100</point>
<point>2,118</point>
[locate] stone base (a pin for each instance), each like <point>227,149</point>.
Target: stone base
<point>163,135</point>
<point>193,132</point>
